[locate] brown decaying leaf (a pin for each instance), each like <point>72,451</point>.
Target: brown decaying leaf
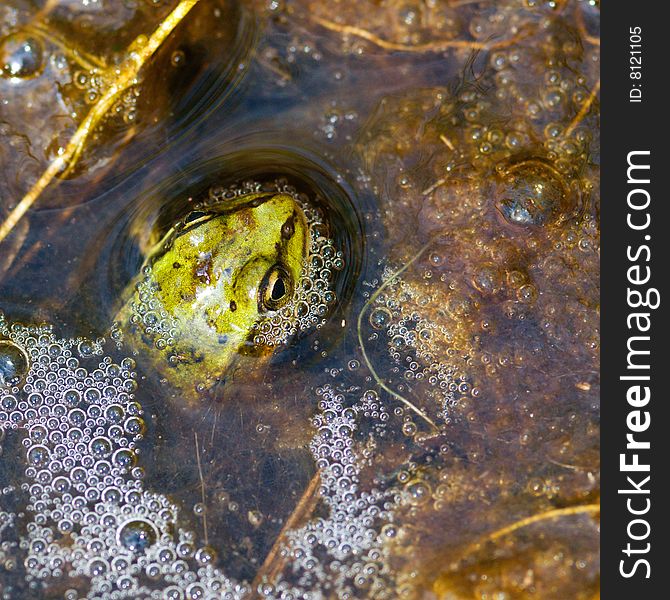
<point>121,78</point>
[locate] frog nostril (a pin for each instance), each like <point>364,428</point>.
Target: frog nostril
<point>288,228</point>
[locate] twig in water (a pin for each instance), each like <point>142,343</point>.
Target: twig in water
<point>583,110</point>
<point>274,561</point>
<point>202,489</point>
<point>124,77</point>
<point>436,46</point>
<point>368,363</point>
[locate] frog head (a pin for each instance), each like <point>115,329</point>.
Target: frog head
<point>213,280</point>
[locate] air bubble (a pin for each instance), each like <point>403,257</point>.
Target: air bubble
<point>21,56</point>
<point>14,363</point>
<point>137,535</point>
<point>178,58</point>
<point>380,318</point>
<point>532,194</point>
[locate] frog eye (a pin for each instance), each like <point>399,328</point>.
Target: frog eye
<point>276,289</point>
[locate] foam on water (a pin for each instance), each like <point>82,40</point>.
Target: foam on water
<point>88,524</point>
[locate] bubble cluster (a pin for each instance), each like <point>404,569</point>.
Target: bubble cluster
<point>89,522</point>
<point>374,410</point>
<point>88,517</point>
<point>156,323</point>
<point>8,544</point>
<point>420,345</point>
<point>94,84</point>
<point>341,555</point>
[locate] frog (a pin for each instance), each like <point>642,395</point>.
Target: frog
<point>208,285</point>
<point>233,282</point>
<point>232,277</point>
<point>488,208</point>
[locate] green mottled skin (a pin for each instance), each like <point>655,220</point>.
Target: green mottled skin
<point>215,277</point>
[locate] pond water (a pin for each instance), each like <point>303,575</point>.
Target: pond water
<point>299,299</point>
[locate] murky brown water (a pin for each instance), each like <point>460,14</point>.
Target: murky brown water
<point>422,420</point>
